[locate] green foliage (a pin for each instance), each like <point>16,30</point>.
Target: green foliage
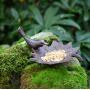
<point>50,20</point>
<point>12,15</point>
<point>80,9</point>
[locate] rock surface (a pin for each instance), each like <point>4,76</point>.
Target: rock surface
<point>12,62</point>
<point>66,76</point>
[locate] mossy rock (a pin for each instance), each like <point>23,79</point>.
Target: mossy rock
<point>47,36</point>
<point>88,73</point>
<point>66,76</point>
<point>3,47</point>
<point>12,62</point>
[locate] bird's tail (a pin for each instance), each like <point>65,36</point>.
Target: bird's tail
<point>21,31</point>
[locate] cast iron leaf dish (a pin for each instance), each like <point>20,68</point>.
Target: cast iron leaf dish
<point>56,53</point>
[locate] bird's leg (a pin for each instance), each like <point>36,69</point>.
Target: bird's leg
<point>33,50</point>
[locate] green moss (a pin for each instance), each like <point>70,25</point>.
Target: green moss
<point>19,41</point>
<point>12,61</point>
<point>3,47</point>
<point>88,73</point>
<point>57,76</point>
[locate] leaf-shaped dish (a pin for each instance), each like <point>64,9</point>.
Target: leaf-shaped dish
<point>56,53</point>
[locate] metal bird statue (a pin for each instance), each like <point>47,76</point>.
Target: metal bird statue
<point>34,44</point>
<point>56,53</point>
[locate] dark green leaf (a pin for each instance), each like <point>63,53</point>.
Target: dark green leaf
<point>83,36</point>
<point>14,13</point>
<point>66,16</point>
<point>49,16</point>
<point>37,15</point>
<point>61,33</point>
<point>68,22</point>
<point>86,16</point>
<point>65,3</point>
<point>35,29</point>
<point>86,54</point>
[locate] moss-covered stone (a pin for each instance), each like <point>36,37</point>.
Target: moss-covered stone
<point>12,61</point>
<point>68,75</point>
<point>3,47</point>
<point>47,36</point>
<point>88,73</point>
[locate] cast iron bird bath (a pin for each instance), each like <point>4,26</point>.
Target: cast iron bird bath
<point>56,53</point>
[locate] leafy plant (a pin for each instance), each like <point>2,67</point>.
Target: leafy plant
<point>51,21</point>
<point>80,9</point>
<point>12,15</point>
<point>83,40</point>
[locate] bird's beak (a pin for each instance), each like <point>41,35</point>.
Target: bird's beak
<point>46,43</point>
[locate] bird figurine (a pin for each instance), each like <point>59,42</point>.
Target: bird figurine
<point>34,44</point>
